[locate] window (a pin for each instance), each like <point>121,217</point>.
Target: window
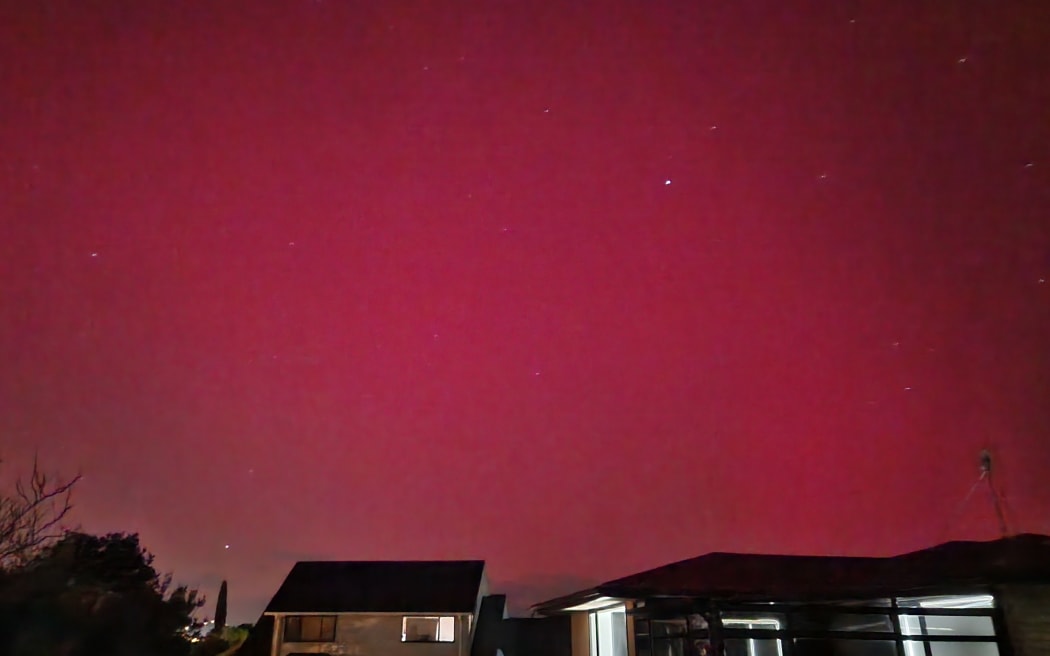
<point>751,646</point>
<point>964,649</point>
<point>948,601</point>
<point>609,632</point>
<point>428,629</point>
<point>309,628</point>
<point>946,625</point>
<point>768,621</point>
<point>829,620</point>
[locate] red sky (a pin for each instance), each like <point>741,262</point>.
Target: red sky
<point>579,288</point>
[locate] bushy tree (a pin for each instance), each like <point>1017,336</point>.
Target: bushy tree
<point>86,595</point>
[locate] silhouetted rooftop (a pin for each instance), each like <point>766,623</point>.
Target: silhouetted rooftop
<point>733,576</point>
<point>380,586</point>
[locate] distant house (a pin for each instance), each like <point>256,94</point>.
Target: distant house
<point>388,608</point>
<point>956,599</point>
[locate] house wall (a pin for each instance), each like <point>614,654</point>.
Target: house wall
<point>374,634</point>
<point>537,636</point>
<point>581,635</point>
<point>1026,609</point>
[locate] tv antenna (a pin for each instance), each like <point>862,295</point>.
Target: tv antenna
<point>985,468</point>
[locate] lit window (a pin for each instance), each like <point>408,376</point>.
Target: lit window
<point>943,625</point>
<point>753,647</point>
<point>428,629</point>
<point>309,628</point>
<point>948,601</point>
<point>609,632</point>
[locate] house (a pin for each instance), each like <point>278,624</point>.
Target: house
<point>956,599</point>
<point>398,608</point>
<point>392,608</point>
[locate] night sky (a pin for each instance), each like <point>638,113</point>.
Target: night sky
<point>579,288</point>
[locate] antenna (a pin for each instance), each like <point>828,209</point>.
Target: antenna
<point>997,498</point>
<point>984,468</point>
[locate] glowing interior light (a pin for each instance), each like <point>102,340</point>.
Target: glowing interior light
<point>961,601</point>
<point>758,623</point>
<point>597,604</point>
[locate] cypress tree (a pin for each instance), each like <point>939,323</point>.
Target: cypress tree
<point>220,609</point>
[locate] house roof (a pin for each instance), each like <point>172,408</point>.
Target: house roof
<point>447,586</point>
<point>733,576</point>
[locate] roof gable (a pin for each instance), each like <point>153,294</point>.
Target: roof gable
<point>446,586</point>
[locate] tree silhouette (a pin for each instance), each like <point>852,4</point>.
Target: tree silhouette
<point>87,595</point>
<point>220,609</point>
<point>31,514</point>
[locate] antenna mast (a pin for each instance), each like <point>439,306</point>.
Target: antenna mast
<point>997,500</point>
<point>985,471</point>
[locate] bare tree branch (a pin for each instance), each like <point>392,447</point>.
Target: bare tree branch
<point>32,515</point>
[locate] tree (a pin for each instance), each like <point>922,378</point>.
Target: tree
<point>31,514</point>
<point>220,609</point>
<point>86,595</point>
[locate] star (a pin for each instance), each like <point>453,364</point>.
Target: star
<point>667,182</point>
<point>94,254</point>
<point>961,60</point>
<point>226,546</point>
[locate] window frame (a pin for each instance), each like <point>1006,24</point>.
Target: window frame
<point>323,636</point>
<point>437,633</point>
<point>899,611</point>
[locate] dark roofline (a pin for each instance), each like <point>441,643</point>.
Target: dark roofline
<point>733,576</point>
<point>466,561</point>
<point>380,586</point>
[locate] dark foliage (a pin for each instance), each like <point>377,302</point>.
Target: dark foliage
<point>88,595</point>
<point>220,609</point>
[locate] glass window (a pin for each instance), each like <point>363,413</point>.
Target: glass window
<point>428,629</point>
<point>609,632</point>
<point>756,620</point>
<point>696,623</point>
<point>817,620</point>
<point>947,625</point>
<point>668,647</point>
<point>948,601</point>
<point>753,647</point>
<point>309,628</point>
<point>964,649</point>
<point>668,627</point>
